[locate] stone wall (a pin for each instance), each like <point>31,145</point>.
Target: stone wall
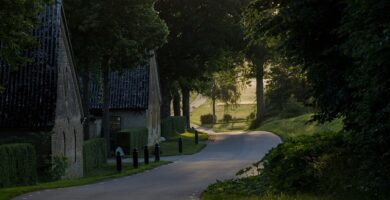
<point>67,139</point>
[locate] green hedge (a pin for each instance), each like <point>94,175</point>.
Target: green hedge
<point>132,138</point>
<point>95,154</point>
<point>173,125</point>
<point>18,165</point>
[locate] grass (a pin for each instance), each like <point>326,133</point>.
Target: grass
<point>239,114</point>
<point>171,147</point>
<point>295,126</point>
<point>106,172</point>
<point>265,197</point>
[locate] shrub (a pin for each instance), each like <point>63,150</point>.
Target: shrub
<point>58,167</point>
<point>292,108</point>
<point>208,119</point>
<point>173,125</point>
<point>227,118</point>
<point>18,165</point>
<point>251,116</point>
<point>95,154</point>
<point>132,138</point>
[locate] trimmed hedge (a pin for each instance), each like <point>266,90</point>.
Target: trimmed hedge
<point>173,125</point>
<point>95,154</point>
<point>18,165</point>
<point>129,139</point>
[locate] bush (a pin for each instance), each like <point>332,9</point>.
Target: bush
<point>58,167</point>
<point>172,126</point>
<point>292,108</point>
<point>208,119</point>
<point>302,164</point>
<point>227,118</point>
<point>95,154</point>
<point>132,138</point>
<point>18,165</point>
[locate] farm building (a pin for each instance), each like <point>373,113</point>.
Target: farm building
<point>42,97</point>
<point>135,101</point>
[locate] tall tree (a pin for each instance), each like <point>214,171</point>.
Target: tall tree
<point>120,35</point>
<point>201,31</point>
<point>17,21</point>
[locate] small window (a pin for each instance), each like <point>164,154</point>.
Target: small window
<point>75,145</point>
<point>64,135</point>
<point>115,124</point>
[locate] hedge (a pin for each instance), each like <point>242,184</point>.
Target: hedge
<point>132,138</point>
<point>95,154</point>
<point>173,125</point>
<point>18,165</point>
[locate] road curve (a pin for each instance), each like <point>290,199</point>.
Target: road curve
<point>184,179</point>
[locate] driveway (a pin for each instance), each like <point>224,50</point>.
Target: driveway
<point>184,179</point>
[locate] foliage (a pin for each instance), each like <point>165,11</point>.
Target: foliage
<point>104,173</point>
<point>59,165</point>
<point>94,153</point>
<point>292,108</point>
<point>343,47</point>
<point>18,165</point>
<point>208,119</point>
<point>17,21</point>
<point>172,126</point>
<point>227,117</point>
<point>130,139</point>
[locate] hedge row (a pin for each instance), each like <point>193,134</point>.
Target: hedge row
<point>173,125</point>
<point>18,165</point>
<point>95,154</point>
<point>132,138</point>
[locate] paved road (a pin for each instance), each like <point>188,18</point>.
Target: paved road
<point>184,179</point>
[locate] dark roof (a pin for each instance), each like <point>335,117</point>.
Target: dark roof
<point>129,90</point>
<point>29,99</point>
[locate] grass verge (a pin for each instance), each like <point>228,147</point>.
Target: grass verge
<point>265,197</point>
<point>170,147</point>
<point>106,172</point>
<point>295,126</point>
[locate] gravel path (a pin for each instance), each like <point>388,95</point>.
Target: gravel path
<point>184,179</point>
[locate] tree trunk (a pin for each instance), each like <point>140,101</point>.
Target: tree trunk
<point>106,105</point>
<point>176,103</point>
<point>259,89</point>
<point>214,99</point>
<point>85,99</point>
<point>186,105</point>
<point>166,102</point>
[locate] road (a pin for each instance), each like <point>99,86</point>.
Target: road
<point>184,179</point>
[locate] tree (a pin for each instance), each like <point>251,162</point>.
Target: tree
<point>120,35</point>
<point>201,31</point>
<point>17,21</point>
<point>343,47</point>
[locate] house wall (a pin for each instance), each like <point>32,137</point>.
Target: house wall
<point>131,119</point>
<point>153,112</point>
<point>67,139</point>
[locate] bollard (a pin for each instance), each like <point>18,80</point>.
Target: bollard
<point>196,137</point>
<point>135,158</point>
<point>180,145</point>
<point>157,153</point>
<point>146,155</point>
<point>118,162</point>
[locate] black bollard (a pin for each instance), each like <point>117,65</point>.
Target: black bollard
<point>135,158</point>
<point>118,162</point>
<point>180,145</point>
<point>146,155</point>
<point>157,153</point>
<point>196,137</point>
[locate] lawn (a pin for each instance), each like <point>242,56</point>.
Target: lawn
<point>170,147</point>
<point>299,125</point>
<point>239,114</point>
<point>106,172</point>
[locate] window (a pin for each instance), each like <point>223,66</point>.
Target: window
<point>64,135</point>
<point>75,145</point>
<point>115,124</point>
